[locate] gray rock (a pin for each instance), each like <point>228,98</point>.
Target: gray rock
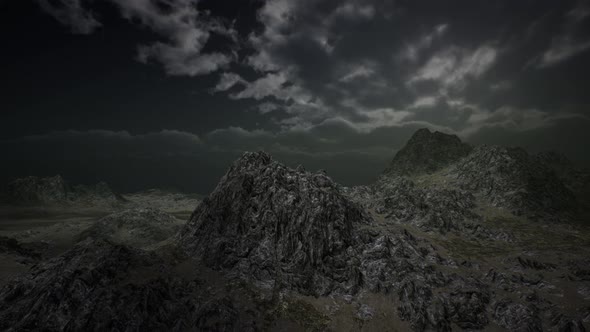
<point>76,291</point>
<point>55,190</point>
<point>511,178</point>
<point>278,226</point>
<point>34,190</point>
<point>427,152</point>
<point>134,227</point>
<point>516,316</point>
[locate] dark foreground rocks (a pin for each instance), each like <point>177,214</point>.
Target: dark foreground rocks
<point>101,286</point>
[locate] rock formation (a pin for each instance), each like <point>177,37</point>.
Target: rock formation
<point>35,190</point>
<point>426,152</point>
<point>164,200</point>
<point>134,227</point>
<point>277,225</point>
<point>534,186</point>
<point>511,178</point>
<point>55,190</point>
<point>99,286</point>
<point>268,232</point>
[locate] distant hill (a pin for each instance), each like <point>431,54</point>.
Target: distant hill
<point>33,190</point>
<point>537,186</point>
<point>427,152</point>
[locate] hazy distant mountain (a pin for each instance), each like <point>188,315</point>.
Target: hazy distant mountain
<point>503,177</point>
<point>33,190</point>
<point>427,152</point>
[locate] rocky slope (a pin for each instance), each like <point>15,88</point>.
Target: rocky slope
<point>441,210</point>
<point>32,190</point>
<point>277,225</point>
<point>139,228</point>
<point>427,152</point>
<point>273,248</point>
<point>95,286</point>
<point>513,179</point>
<point>172,202</point>
<point>458,190</point>
<point>55,190</point>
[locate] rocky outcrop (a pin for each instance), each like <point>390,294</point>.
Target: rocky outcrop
<point>511,178</point>
<point>427,152</point>
<point>430,208</point>
<point>575,178</point>
<point>26,251</point>
<point>277,226</point>
<point>55,190</point>
<point>98,193</point>
<point>35,190</point>
<point>441,210</point>
<point>100,286</point>
<point>268,232</point>
<point>164,200</point>
<point>535,186</point>
<point>289,229</point>
<point>134,227</point>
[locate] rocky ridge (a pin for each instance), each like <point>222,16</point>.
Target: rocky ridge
<point>279,232</point>
<point>33,190</point>
<point>427,152</point>
<point>449,195</point>
<point>163,200</point>
<point>139,228</point>
<point>513,179</point>
<point>101,286</point>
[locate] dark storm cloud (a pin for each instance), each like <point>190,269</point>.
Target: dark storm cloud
<point>372,63</point>
<point>567,41</point>
<point>333,84</point>
<point>71,13</point>
<point>375,64</point>
<point>184,28</point>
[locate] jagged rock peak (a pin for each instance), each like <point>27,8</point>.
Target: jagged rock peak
<point>277,226</point>
<point>427,152</point>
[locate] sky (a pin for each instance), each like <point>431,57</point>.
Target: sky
<point>145,93</point>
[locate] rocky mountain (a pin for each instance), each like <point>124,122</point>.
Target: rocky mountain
<point>276,248</point>
<point>33,190</point>
<point>85,289</point>
<point>427,152</point>
<point>55,190</point>
<point>534,186</point>
<point>513,179</point>
<point>139,228</point>
<point>164,200</point>
<point>575,178</point>
<point>274,224</point>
